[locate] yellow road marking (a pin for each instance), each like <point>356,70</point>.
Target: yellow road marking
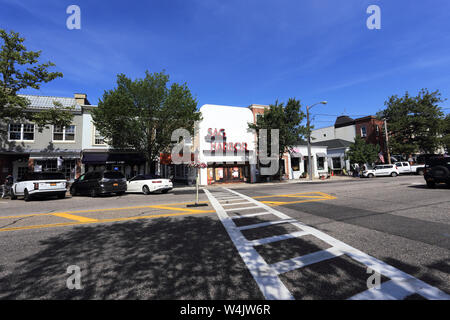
<point>180,209</point>
<point>301,194</point>
<point>275,202</point>
<point>97,210</point>
<point>184,211</point>
<point>73,217</point>
<point>100,221</point>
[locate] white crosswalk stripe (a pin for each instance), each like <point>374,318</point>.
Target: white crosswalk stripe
<point>266,275</point>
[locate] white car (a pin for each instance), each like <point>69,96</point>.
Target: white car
<point>40,184</point>
<point>148,184</point>
<point>405,167</point>
<point>382,170</point>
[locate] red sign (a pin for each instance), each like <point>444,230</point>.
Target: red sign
<point>219,134</point>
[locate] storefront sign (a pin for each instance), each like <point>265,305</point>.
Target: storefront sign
<point>220,135</point>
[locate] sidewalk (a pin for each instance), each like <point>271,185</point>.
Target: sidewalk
<point>246,185</point>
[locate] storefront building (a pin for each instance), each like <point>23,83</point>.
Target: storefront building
<point>25,148</point>
<point>298,161</point>
<point>128,162</point>
<point>226,145</point>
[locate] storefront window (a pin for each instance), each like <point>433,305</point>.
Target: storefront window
<point>295,164</point>
<point>337,163</point>
<point>320,163</point>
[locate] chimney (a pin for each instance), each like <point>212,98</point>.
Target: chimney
<point>81,99</point>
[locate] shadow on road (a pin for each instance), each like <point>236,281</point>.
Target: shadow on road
<point>184,258</point>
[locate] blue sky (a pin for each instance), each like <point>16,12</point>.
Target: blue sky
<point>238,52</point>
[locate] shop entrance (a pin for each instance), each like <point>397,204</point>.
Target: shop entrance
<point>228,174</point>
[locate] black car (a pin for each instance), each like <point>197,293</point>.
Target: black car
<point>437,170</point>
<point>97,183</point>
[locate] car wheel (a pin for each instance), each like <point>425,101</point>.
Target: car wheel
<point>13,196</point>
<point>145,190</point>
<point>420,172</point>
<point>371,175</point>
<point>73,191</point>
<point>431,184</point>
<point>93,193</point>
<point>394,174</point>
<point>61,195</point>
<point>165,191</point>
<point>26,195</point>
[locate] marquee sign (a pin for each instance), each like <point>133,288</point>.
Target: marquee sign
<point>220,135</point>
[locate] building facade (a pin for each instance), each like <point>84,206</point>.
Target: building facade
<point>226,145</point>
<point>24,148</point>
<point>97,155</point>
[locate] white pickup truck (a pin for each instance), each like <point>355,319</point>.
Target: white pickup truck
<point>404,168</point>
<point>40,184</point>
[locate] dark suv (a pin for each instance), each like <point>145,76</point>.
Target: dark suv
<point>437,170</point>
<point>96,183</point>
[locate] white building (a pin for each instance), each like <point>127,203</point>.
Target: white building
<point>229,148</point>
<point>298,161</point>
<point>226,145</point>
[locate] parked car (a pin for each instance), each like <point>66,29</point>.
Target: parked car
<point>148,184</point>
<point>40,184</point>
<point>97,183</point>
<point>405,167</point>
<point>437,170</point>
<point>382,170</point>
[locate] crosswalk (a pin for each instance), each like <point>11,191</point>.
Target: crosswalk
<point>232,206</point>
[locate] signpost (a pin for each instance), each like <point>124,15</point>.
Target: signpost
<point>197,166</point>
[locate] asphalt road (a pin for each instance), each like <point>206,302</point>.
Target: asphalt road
<point>154,247</point>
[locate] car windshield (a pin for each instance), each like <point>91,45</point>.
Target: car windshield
<point>113,175</point>
<point>151,176</point>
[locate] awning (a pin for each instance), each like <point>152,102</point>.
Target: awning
<point>54,155</point>
<point>112,158</point>
<point>321,155</point>
<point>295,153</point>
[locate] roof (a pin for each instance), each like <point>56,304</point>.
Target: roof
<point>46,102</point>
<point>343,121</point>
<point>333,144</point>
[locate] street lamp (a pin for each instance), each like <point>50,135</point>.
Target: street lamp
<point>310,171</point>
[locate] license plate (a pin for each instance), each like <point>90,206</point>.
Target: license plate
<point>53,184</point>
<point>115,184</point>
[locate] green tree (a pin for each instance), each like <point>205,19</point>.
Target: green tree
<point>20,69</point>
<point>362,152</point>
<point>287,119</point>
<point>414,123</point>
<point>141,114</point>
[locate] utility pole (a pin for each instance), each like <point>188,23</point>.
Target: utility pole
<point>310,163</point>
<point>387,141</point>
<point>309,144</point>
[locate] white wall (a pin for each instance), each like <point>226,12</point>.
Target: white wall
<point>235,122</point>
<point>346,133</point>
<point>88,133</point>
<point>304,152</point>
<point>322,134</point>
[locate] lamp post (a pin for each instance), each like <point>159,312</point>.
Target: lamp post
<point>308,126</point>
